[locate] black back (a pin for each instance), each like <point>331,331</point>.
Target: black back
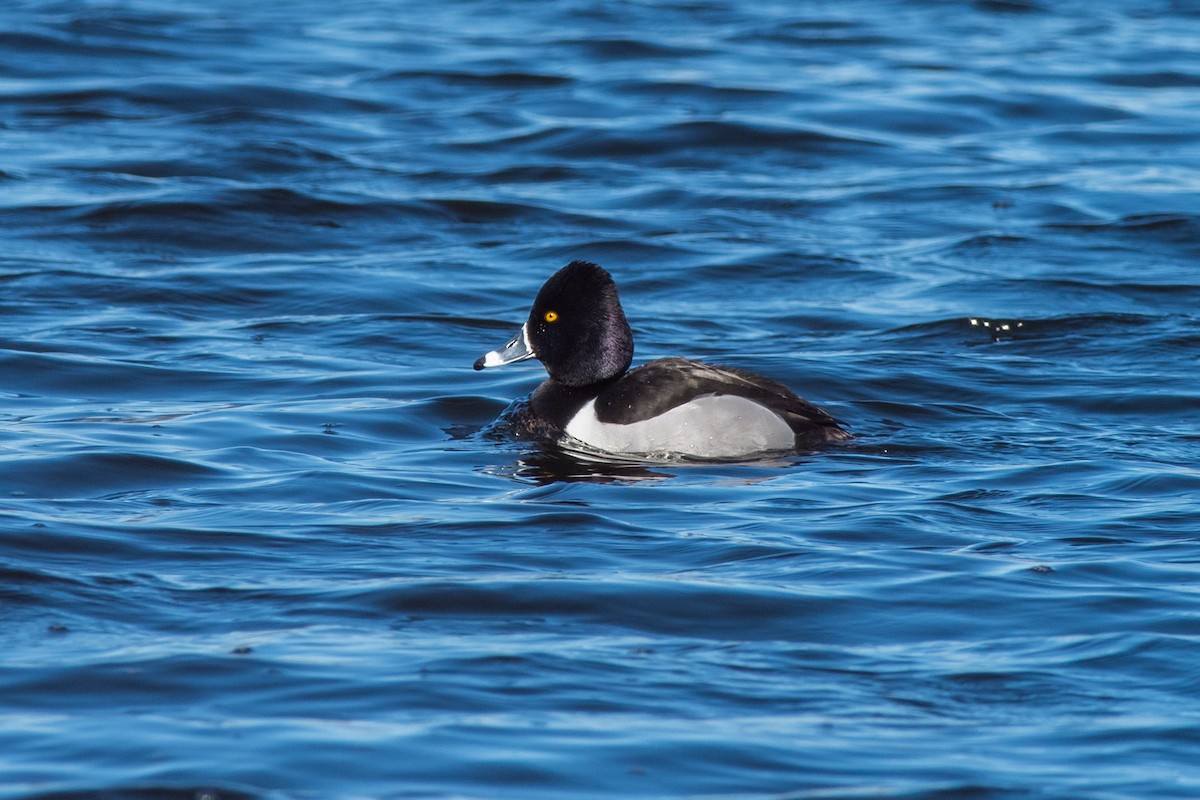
<point>661,385</point>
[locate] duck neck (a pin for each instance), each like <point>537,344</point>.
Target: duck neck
<point>558,402</point>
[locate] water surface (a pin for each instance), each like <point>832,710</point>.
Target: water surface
<point>258,540</point>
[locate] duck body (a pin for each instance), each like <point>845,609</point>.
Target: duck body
<point>667,408</point>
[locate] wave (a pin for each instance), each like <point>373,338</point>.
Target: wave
<point>1172,228</point>
<point>103,98</point>
<point>239,220</point>
<point>684,140</point>
<point>468,79</point>
<point>997,328</point>
<point>95,473</point>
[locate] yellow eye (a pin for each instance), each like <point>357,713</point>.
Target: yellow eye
<point>551,316</point>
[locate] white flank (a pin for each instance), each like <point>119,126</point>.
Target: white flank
<point>712,426</point>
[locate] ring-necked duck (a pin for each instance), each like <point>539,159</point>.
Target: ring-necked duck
<point>668,407</point>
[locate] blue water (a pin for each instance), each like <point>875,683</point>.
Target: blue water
<point>258,537</point>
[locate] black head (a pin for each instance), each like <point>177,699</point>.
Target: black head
<point>577,328</point>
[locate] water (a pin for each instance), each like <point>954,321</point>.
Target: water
<point>258,540</point>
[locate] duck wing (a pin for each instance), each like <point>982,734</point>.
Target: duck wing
<point>658,386</point>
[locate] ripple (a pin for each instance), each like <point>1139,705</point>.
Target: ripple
<point>498,79</point>
<point>91,474</point>
<point>1158,79</point>
<point>1179,229</point>
<point>688,139</point>
<point>235,221</point>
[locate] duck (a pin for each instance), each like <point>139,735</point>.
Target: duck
<point>668,408</point>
